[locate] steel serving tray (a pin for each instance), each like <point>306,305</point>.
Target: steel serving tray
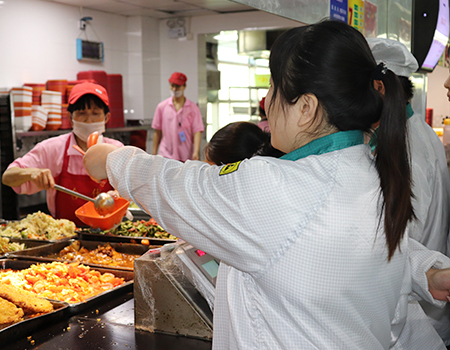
<point>86,234</point>
<point>23,328</point>
<point>28,245</point>
<point>75,308</point>
<point>43,239</point>
<point>46,253</point>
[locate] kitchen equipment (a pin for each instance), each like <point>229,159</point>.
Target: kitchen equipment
<point>103,203</point>
<point>174,291</point>
<point>88,214</point>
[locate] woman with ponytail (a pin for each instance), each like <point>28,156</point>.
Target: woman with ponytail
<point>312,245</point>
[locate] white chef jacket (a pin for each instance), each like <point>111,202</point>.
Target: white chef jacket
<point>302,264</point>
<point>418,333</point>
<point>431,185</point>
<point>431,188</point>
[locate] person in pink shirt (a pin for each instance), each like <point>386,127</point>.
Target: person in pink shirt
<point>177,123</point>
<point>264,123</point>
<point>55,161</point>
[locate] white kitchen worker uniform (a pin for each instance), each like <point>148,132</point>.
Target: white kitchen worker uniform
<point>302,263</point>
<point>431,184</point>
<point>432,203</point>
<point>431,188</point>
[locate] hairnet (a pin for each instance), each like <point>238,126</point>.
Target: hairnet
<point>394,54</point>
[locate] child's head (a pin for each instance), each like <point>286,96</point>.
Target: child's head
<point>238,141</point>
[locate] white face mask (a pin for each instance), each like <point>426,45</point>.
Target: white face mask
<point>83,130</point>
<point>176,93</point>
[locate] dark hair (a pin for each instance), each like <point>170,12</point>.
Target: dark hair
<point>333,61</point>
<point>408,87</point>
<point>238,141</point>
<point>262,112</point>
<point>86,101</point>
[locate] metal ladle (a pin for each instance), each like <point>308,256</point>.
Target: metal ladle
<point>103,203</point>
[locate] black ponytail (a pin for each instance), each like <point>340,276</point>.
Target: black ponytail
<point>392,162</point>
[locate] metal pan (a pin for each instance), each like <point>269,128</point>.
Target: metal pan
<point>75,308</point>
<point>23,328</point>
<point>50,252</point>
<point>28,245</point>
<point>94,236</point>
<point>43,239</point>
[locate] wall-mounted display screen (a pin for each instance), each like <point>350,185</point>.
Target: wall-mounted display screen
<point>440,38</point>
<point>430,32</point>
<point>89,50</point>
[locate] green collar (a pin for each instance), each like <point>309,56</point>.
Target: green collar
<point>409,110</point>
<point>374,139</point>
<point>329,143</point>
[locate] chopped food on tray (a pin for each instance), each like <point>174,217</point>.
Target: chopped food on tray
<point>39,226</point>
<point>103,255</point>
<point>69,282</point>
<point>27,301</point>
<point>140,228</point>
<point>6,246</point>
<point>16,302</point>
<point>9,313</point>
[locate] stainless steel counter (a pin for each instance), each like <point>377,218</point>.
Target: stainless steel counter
<point>108,326</point>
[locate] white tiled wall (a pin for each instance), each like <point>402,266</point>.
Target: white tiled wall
<point>38,42</point>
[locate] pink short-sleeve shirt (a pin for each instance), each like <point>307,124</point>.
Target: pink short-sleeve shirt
<point>264,125</point>
<point>187,120</point>
<point>49,154</point>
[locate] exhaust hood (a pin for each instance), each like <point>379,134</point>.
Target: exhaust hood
<point>257,43</point>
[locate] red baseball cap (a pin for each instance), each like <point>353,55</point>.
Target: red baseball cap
<point>178,78</point>
<point>261,103</point>
<point>88,88</point>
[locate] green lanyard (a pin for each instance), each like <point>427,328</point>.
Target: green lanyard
<point>329,143</point>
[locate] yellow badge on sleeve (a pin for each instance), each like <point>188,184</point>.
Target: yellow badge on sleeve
<point>229,168</point>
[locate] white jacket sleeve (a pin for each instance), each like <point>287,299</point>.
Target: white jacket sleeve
<point>232,216</point>
<point>421,260</point>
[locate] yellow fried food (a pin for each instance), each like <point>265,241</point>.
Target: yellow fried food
<point>28,301</point>
<point>9,313</point>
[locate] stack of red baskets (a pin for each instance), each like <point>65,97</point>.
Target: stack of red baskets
<point>115,93</point>
<point>37,92</point>
<point>60,86</point>
<point>99,76</point>
<point>113,84</point>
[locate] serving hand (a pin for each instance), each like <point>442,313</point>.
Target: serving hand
<point>439,283</point>
<point>95,160</point>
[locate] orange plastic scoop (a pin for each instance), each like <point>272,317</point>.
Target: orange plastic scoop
<point>90,217</point>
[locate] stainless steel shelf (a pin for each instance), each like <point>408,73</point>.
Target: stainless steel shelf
<point>60,132</point>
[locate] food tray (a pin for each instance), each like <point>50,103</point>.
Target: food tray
<point>6,222</point>
<point>29,244</point>
<point>95,236</point>
<point>75,308</point>
<point>43,253</point>
<point>23,328</point>
<point>46,241</point>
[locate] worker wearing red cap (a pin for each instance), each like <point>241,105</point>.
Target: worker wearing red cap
<point>177,123</point>
<point>264,123</point>
<point>55,161</point>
